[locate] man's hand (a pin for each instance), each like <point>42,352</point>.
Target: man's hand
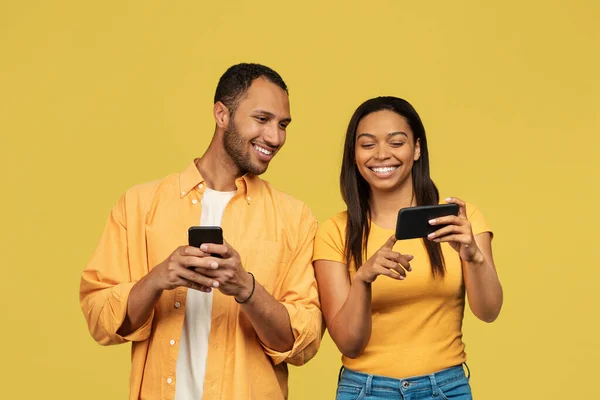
<point>228,271</point>
<point>186,266</point>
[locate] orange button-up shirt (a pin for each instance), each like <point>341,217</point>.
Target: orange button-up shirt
<point>273,234</point>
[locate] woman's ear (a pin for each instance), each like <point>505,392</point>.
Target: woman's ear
<point>417,154</point>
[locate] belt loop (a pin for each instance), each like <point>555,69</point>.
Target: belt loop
<point>468,372</point>
<point>434,388</point>
<point>369,385</point>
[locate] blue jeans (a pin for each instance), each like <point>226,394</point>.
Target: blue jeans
<point>448,384</point>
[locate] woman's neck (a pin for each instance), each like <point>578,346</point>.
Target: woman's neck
<point>386,204</point>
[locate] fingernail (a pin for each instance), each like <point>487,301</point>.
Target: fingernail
<point>214,265</point>
<point>448,199</point>
<point>215,284</point>
<point>203,247</point>
<point>432,221</point>
<point>401,277</point>
<point>208,290</point>
<point>431,235</point>
<point>409,268</point>
<point>410,257</point>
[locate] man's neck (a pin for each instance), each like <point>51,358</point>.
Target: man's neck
<point>218,169</point>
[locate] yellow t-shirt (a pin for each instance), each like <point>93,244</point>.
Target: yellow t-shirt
<point>417,322</point>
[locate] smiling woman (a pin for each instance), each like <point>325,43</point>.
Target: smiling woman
<point>383,153</point>
<point>385,168</point>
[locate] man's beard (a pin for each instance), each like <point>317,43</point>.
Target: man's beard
<point>236,148</point>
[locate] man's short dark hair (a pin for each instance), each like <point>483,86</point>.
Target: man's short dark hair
<point>237,79</point>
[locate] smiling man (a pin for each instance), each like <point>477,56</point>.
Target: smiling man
<point>219,321</point>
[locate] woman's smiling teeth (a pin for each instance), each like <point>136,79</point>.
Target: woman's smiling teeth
<point>383,170</point>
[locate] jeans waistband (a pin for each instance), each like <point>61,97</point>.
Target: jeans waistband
<point>416,383</point>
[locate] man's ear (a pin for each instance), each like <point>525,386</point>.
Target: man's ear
<point>222,115</point>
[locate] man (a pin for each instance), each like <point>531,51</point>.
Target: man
<point>219,321</point>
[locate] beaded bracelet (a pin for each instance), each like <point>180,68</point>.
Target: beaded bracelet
<point>251,293</point>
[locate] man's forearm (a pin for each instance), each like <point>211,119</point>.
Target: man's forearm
<point>142,299</point>
<point>270,320</point>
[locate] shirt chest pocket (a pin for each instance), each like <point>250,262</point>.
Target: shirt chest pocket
<point>266,260</point>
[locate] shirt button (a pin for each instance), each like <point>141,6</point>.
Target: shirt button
<point>169,381</point>
<point>248,198</point>
<point>183,193</point>
<point>194,201</point>
<point>171,342</point>
<point>177,304</point>
<point>200,186</point>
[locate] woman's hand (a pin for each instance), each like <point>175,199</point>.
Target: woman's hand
<point>457,233</point>
<point>385,262</point>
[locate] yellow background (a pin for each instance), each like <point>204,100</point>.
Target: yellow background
<point>98,96</point>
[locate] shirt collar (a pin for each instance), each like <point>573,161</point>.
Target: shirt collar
<point>190,178</point>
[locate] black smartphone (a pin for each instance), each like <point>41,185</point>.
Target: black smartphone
<point>198,235</point>
<point>413,222</point>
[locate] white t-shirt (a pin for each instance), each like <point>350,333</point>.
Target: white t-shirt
<point>193,345</point>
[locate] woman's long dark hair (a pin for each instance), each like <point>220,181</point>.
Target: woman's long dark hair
<point>356,191</point>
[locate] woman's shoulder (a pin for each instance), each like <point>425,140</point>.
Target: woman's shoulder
<point>330,238</point>
<point>335,223</point>
<point>338,220</point>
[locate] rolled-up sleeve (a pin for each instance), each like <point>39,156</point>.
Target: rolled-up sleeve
<point>300,297</point>
<point>106,284</point>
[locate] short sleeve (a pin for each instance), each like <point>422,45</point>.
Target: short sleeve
<point>329,241</point>
<point>478,223</point>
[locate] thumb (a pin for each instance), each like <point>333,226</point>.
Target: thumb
<point>390,243</point>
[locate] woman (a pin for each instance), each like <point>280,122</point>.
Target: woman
<point>395,309</point>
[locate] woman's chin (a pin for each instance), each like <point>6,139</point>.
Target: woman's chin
<point>386,186</point>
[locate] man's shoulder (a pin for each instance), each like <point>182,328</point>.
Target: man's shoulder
<point>285,202</point>
<point>143,193</point>
<point>280,196</point>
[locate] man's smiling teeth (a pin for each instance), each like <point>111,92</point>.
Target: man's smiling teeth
<point>262,150</point>
<point>383,170</point>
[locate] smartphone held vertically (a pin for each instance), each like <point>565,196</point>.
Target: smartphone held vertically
<point>413,222</point>
<point>198,235</point>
